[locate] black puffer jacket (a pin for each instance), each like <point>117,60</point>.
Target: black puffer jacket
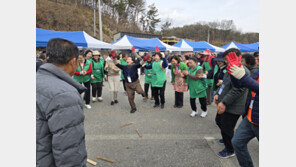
<point>60,136</point>
<point>234,98</point>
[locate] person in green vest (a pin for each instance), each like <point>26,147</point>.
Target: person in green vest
<point>97,76</point>
<point>148,76</point>
<point>123,57</point>
<point>88,54</point>
<point>178,80</point>
<point>217,73</point>
<point>82,75</point>
<point>158,78</point>
<point>207,66</point>
<point>197,87</point>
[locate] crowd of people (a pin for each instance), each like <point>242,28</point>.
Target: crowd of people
<point>229,79</point>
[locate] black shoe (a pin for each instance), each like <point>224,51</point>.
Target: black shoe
<point>179,106</point>
<point>155,106</point>
<point>133,110</point>
<point>143,95</point>
<point>162,106</point>
<point>112,102</point>
<point>115,101</point>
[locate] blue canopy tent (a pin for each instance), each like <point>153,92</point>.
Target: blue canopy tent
<point>241,47</point>
<point>198,46</point>
<point>80,38</point>
<point>254,46</point>
<point>127,42</point>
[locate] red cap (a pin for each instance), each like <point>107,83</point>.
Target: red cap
<point>207,52</point>
<point>112,54</point>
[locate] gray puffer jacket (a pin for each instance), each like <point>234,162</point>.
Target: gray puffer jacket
<point>60,136</point>
<point>233,98</point>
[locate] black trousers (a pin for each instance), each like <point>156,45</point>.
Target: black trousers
<point>97,89</point>
<point>159,92</point>
<point>209,95</point>
<point>202,101</point>
<point>179,96</point>
<point>123,82</point>
<point>86,96</point>
<point>146,87</point>
<point>226,122</point>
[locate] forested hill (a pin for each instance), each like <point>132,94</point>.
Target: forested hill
<point>130,16</point>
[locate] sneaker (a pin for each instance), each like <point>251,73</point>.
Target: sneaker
<point>112,102</point>
<point>194,113</point>
<point>94,99</point>
<point>115,101</point>
<point>204,114</point>
<point>88,106</point>
<point>162,106</point>
<point>133,110</point>
<point>221,141</point>
<point>225,154</point>
<point>100,99</point>
<point>155,106</point>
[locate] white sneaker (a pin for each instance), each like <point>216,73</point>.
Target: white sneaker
<point>193,114</point>
<point>204,114</point>
<point>100,99</point>
<point>88,106</point>
<point>94,99</point>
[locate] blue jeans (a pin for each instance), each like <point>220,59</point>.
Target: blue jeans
<point>244,133</point>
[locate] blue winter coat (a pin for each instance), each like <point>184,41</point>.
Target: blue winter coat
<point>250,82</point>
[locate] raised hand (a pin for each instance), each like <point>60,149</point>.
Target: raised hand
<point>233,60</point>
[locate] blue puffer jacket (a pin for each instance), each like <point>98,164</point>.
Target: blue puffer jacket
<point>250,82</point>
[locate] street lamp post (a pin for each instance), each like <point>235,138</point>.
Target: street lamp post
<point>100,20</point>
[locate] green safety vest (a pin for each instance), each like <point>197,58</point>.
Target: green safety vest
<point>182,67</point>
<point>216,68</point>
<point>83,78</point>
<point>197,88</point>
<point>158,75</point>
<point>148,74</point>
<point>122,62</point>
<point>97,71</point>
<point>207,67</point>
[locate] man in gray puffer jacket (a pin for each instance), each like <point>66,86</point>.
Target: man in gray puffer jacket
<point>230,106</point>
<point>60,136</point>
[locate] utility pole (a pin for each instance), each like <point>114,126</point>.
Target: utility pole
<point>208,36</point>
<point>94,6</point>
<point>100,20</point>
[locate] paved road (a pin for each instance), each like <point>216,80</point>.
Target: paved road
<point>170,137</point>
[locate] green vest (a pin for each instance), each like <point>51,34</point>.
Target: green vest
<point>182,67</point>
<point>97,71</point>
<point>158,75</point>
<point>83,78</point>
<point>198,87</point>
<point>122,62</point>
<point>207,67</point>
<point>148,74</point>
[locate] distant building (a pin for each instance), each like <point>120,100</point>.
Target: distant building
<point>170,40</point>
<point>136,35</point>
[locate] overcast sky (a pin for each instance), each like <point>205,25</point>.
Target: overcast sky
<point>244,13</point>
